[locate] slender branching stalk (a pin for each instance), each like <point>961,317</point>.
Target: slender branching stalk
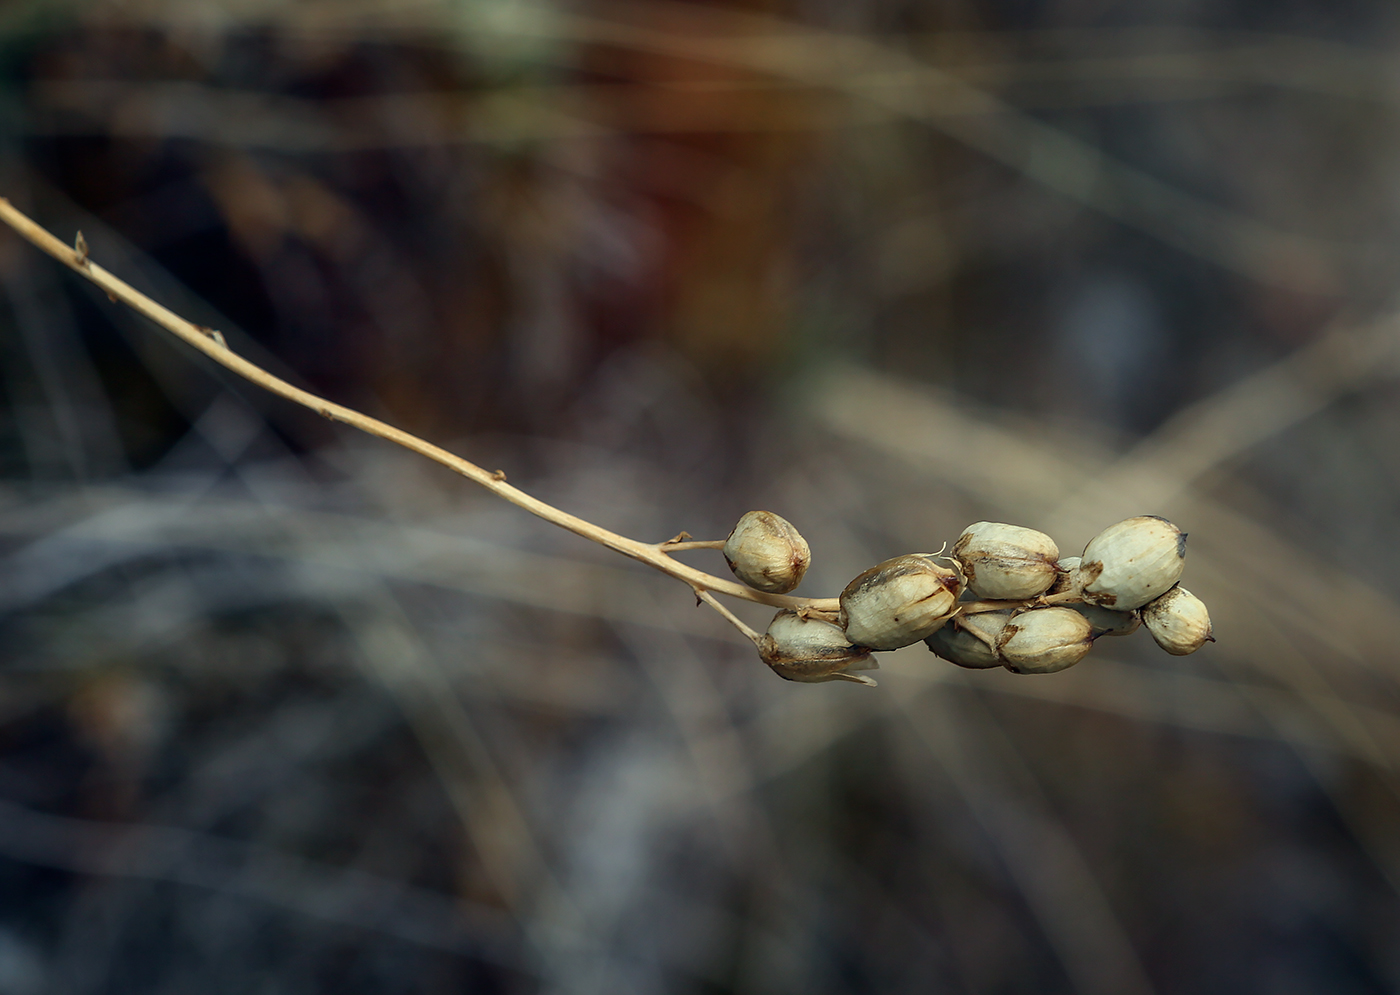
<point>657,555</point>
<point>212,344</point>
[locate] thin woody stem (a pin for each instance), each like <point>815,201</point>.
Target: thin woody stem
<point>738,623</point>
<point>1040,601</point>
<point>979,607</point>
<point>212,344</point>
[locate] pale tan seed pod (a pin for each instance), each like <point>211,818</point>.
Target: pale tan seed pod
<point>1044,640</point>
<point>1068,577</point>
<point>812,651</point>
<point>899,601</point>
<point>1106,622</point>
<point>1178,621</point>
<point>1006,561</point>
<point>970,640</point>
<point>767,553</point>
<point>1127,565</point>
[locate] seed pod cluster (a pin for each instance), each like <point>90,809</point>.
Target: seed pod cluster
<point>1126,578</point>
<point>1004,597</point>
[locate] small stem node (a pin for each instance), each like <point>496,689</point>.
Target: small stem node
<point>678,546</point>
<point>213,333</point>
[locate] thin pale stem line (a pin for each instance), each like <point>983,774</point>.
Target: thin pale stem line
<point>1039,601</point>
<point>212,344</point>
<point>729,616</point>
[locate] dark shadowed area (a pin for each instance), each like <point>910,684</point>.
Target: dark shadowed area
<point>287,709</point>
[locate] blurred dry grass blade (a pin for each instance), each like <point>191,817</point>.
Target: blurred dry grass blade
<point>486,804</point>
<point>1344,359</point>
<point>522,113</point>
<point>341,554</point>
<point>1236,704</point>
<point>1198,64</point>
<point>534,112</point>
<point>338,894</point>
<point>862,70</point>
<point>1051,156</point>
<point>1047,865</point>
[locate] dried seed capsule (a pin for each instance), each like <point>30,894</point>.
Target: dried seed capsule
<point>1106,622</point>
<point>1127,565</point>
<point>812,651</point>
<point>1068,576</point>
<point>1178,621</point>
<point>971,640</point>
<point>1044,640</point>
<point>767,553</point>
<point>899,601</point>
<point>1006,561</point>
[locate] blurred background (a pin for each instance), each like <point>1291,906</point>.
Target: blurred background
<point>286,709</point>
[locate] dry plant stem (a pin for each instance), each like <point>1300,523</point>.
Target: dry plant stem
<point>657,555</point>
<point>212,345</point>
<point>978,607</point>
<point>1040,601</point>
<point>703,595</point>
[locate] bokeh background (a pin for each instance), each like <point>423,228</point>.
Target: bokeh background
<point>286,709</point>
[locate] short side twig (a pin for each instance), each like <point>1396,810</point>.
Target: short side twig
<point>703,595</point>
<point>678,547</point>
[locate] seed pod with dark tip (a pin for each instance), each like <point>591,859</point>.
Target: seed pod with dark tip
<point>812,651</point>
<point>1127,565</point>
<point>767,553</point>
<point>971,640</point>
<point>899,601</point>
<point>1068,575</point>
<point>1044,640</point>
<point>1006,561</point>
<point>1178,621</point>
<point>1106,621</point>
